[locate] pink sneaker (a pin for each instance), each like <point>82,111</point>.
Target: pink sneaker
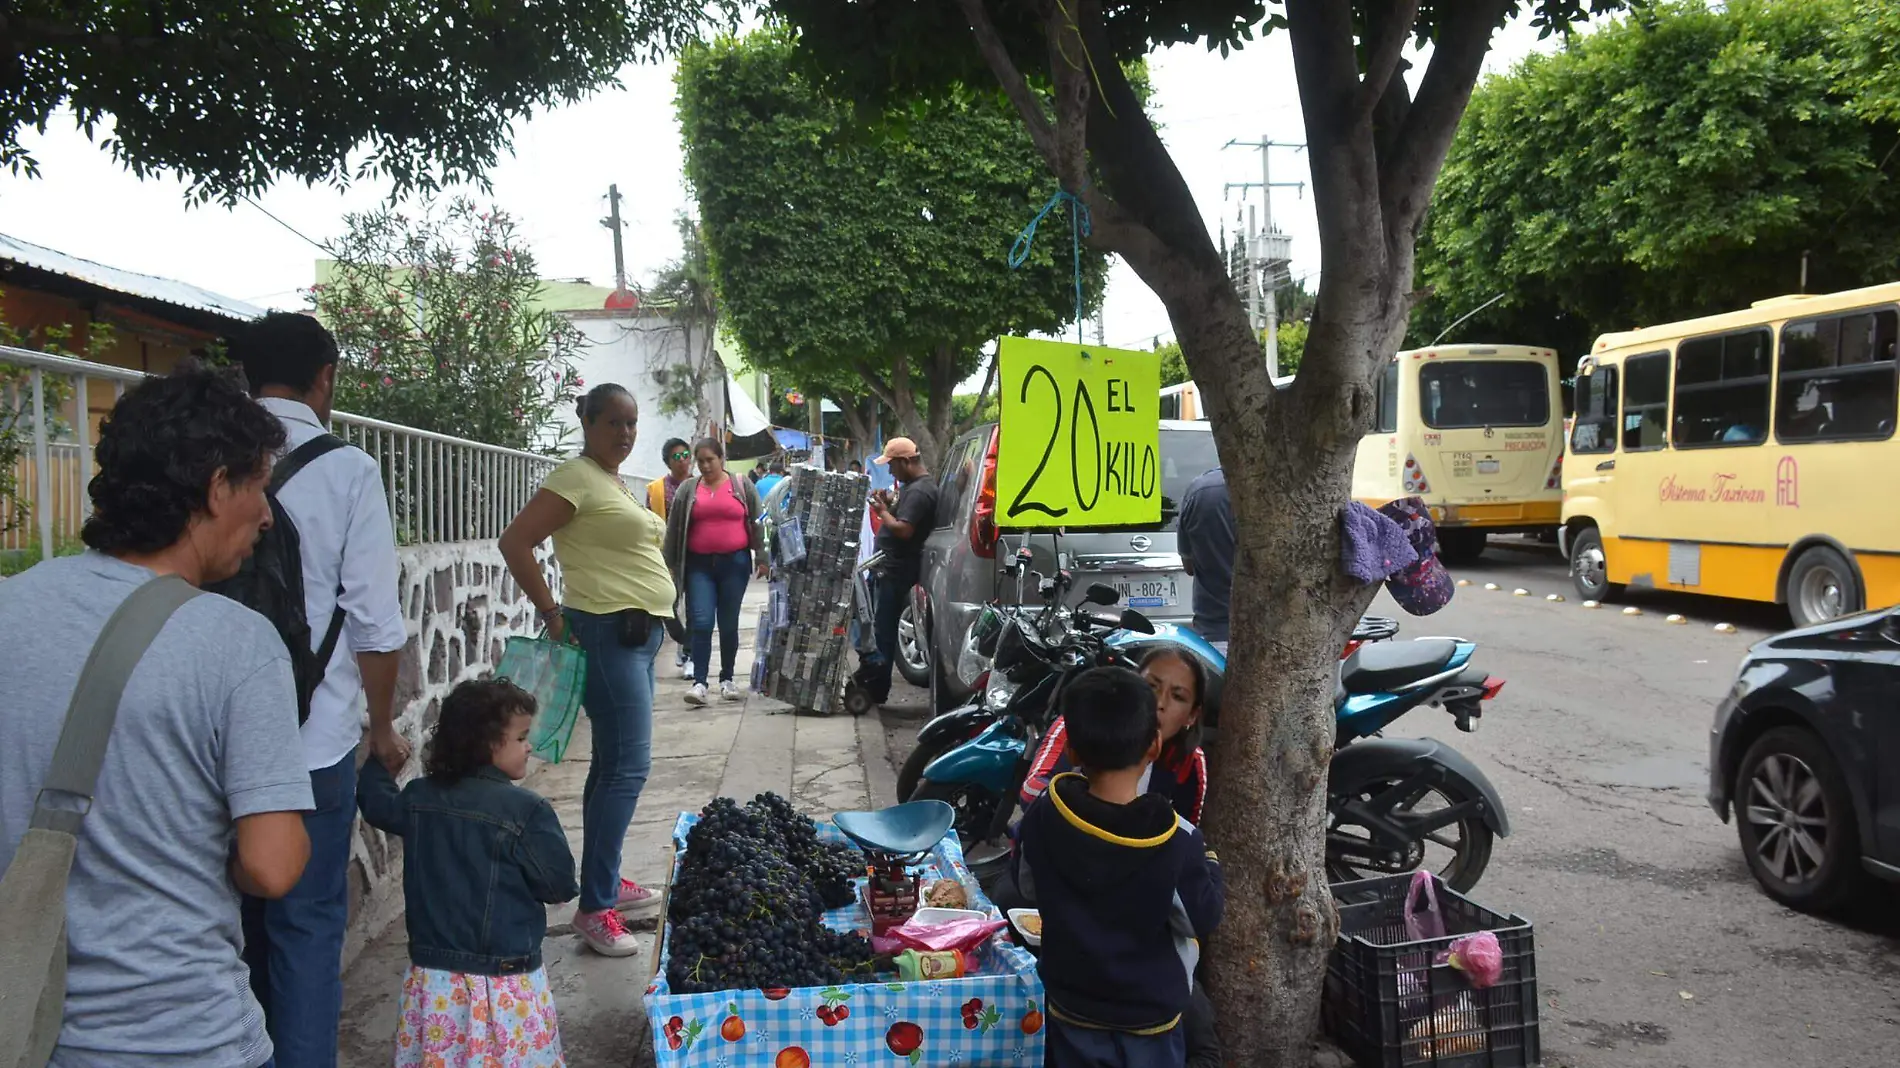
<point>635,898</point>
<point>605,934</point>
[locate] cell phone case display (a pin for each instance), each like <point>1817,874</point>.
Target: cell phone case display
<point>803,637</point>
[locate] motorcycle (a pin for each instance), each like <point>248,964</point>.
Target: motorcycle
<point>1394,804</point>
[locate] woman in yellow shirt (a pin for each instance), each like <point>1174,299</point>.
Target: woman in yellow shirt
<point>618,594</point>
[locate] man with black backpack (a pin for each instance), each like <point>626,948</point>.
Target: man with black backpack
<point>325,574</point>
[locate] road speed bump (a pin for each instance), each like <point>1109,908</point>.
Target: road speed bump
<point>1677,620</point>
<point>1492,586</point>
<point>1464,582</point>
<point>1632,610</point>
<point>1592,604</point>
<point>1557,598</point>
<point>1520,592</point>
<point>1725,628</point>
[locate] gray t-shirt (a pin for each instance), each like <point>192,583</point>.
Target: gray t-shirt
<point>1206,536</point>
<point>206,733</point>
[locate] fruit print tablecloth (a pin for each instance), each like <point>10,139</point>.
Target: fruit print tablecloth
<point>989,1020</point>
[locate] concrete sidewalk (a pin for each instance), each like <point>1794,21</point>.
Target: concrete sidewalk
<point>823,764</point>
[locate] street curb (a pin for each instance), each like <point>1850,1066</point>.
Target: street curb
<point>874,751</point>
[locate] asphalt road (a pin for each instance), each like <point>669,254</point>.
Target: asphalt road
<point>1654,946</point>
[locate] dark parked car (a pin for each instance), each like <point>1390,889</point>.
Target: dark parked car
<point>1806,750</point>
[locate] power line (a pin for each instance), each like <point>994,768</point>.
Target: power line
<point>318,245</point>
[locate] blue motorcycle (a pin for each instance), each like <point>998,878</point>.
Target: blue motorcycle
<point>1395,804</point>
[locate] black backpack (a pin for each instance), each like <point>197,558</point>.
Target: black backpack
<point>271,581</point>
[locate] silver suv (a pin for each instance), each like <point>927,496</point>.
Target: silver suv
<point>960,566</point>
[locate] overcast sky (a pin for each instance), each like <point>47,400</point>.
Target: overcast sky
<point>556,183</point>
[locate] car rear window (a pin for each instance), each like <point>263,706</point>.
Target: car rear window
<point>1185,456</point>
<point>1473,393</point>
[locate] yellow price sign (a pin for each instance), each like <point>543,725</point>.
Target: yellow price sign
<point>1081,435</point>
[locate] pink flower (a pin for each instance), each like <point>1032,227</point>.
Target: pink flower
<point>577,382</point>
<point>388,381</point>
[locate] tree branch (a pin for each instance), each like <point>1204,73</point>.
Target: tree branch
<point>1071,66</point>
<point>879,388</point>
<point>996,54</point>
<point>1418,148</point>
<point>1388,26</point>
<point>976,411</point>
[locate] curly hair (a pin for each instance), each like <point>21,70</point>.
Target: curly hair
<point>475,715</point>
<point>160,448</point>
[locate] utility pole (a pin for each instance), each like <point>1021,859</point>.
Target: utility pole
<point>1268,250</point>
<point>612,222</point>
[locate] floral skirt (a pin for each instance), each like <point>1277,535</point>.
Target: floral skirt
<point>454,1020</point>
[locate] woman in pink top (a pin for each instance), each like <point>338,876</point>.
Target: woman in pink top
<point>713,542</point>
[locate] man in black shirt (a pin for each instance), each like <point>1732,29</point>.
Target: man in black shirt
<point>903,527</point>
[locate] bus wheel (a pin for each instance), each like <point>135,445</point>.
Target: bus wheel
<point>1460,545</point>
<point>1822,586</point>
<point>1590,568</point>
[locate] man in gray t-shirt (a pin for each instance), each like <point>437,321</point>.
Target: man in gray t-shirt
<point>206,737</point>
<point>1206,542</point>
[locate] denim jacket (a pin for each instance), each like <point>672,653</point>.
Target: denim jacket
<point>480,860</point>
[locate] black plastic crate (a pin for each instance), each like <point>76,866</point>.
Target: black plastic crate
<point>1389,1006</point>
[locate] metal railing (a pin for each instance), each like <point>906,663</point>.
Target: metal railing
<point>439,488</point>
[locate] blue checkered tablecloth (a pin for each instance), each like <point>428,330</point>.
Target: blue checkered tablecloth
<point>888,1025</point>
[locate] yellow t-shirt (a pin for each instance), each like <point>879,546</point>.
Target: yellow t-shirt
<point>610,551</point>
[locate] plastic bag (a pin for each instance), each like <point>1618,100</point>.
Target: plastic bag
<point>1478,956</point>
<point>957,934</point>
<point>1426,922</point>
<point>556,674</point>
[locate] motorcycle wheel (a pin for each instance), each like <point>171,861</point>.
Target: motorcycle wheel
<point>974,805</point>
<point>1457,853</point>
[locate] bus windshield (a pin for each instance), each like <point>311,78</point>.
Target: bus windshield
<point>1461,394</point>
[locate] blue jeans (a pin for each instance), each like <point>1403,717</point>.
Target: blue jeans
<point>294,945</point>
<point>618,700</point>
<point>889,595</point>
<point>715,586</point>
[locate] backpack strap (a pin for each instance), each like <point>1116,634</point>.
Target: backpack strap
<point>95,704</point>
<point>301,456</point>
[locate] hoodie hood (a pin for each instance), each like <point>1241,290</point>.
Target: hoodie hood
<point>1100,845</point>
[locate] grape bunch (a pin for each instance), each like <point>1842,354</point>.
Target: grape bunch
<point>747,904</point>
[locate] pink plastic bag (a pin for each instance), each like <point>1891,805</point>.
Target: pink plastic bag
<point>1478,956</point>
<point>957,934</point>
<point>1426,922</point>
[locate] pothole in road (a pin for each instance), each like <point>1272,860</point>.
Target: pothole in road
<point>1603,1035</point>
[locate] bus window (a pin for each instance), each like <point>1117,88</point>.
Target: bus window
<point>1645,402</point>
<point>1595,430</point>
<point>1386,389</point>
<point>1171,406</point>
<point>1722,390</point>
<point>1460,394</point>
<point>1837,378</point>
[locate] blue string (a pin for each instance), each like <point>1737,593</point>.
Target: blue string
<point>1079,228</point>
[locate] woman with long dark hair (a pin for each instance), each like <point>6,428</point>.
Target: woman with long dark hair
<point>713,542</point>
<point>617,594</point>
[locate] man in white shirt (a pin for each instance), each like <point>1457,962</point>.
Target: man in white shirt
<point>348,550</point>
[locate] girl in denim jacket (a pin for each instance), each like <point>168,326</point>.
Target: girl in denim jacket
<point>481,859</point>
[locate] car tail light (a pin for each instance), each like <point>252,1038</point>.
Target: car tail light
<point>1556,479</point>
<point>1413,477</point>
<point>1492,687</point>
<point>983,518</point>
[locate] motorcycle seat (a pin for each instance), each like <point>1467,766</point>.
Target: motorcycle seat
<point>912,827</point>
<point>1385,666</point>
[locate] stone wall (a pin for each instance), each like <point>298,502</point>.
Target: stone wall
<point>461,606</point>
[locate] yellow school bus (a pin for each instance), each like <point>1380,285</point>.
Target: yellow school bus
<point>1749,455</point>
<point>1474,430</point>
<point>1182,401</point>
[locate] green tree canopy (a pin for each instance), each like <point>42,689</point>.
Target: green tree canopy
<point>436,316</point>
<point>1376,140</point>
<point>1675,163</point>
<point>869,257</point>
<point>230,95</point>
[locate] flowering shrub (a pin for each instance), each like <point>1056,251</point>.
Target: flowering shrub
<point>439,326</point>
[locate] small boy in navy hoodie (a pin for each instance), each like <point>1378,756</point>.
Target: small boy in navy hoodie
<point>1127,888</point>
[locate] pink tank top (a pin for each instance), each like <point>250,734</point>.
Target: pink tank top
<point>718,520</point>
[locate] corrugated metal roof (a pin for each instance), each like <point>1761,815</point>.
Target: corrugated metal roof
<point>151,287</point>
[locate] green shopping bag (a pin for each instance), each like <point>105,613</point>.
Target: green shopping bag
<point>555,673</point>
